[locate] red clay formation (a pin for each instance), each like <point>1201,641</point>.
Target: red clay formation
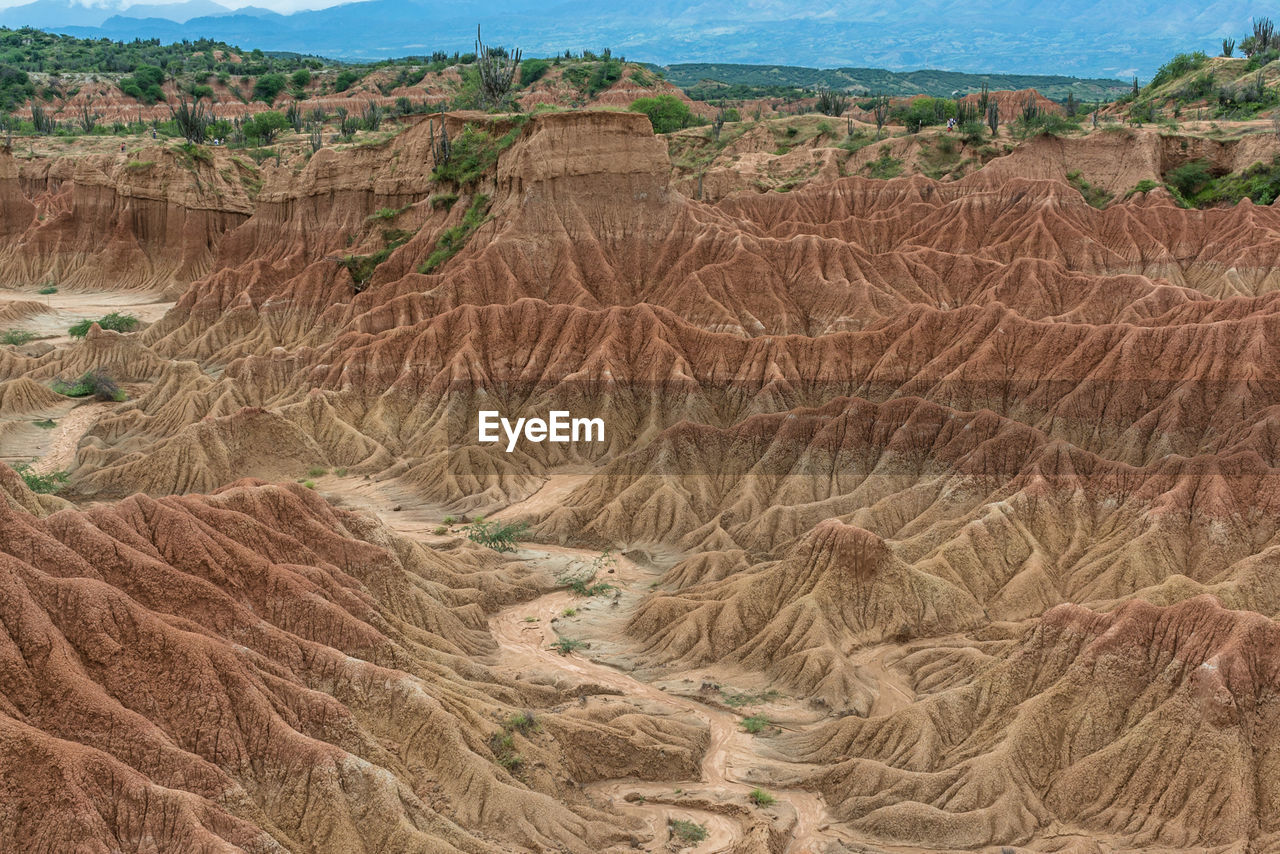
<point>940,513</point>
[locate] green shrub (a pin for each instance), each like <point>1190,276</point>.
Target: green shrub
<point>145,84</point>
<point>666,113</point>
<point>46,424</point>
<point>16,337</point>
<point>42,484</point>
<point>1180,65</point>
<point>1189,178</point>
<point>440,530</point>
<point>443,200</point>
<point>317,471</point>
<point>522,722</point>
<point>347,78</point>
<point>47,290</point>
<point>532,69</point>
<point>264,127</point>
<point>564,646</point>
<point>1096,196</point>
<point>761,798</point>
<point>115,322</point>
<point>300,78</point>
<point>1146,185</point>
<point>452,240</point>
<point>687,832</point>
<point>97,383</point>
<point>474,152</point>
<point>755,724</point>
<point>267,87</point>
<point>885,166</point>
<point>499,536</point>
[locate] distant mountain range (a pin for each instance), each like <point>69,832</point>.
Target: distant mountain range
<point>1092,38</point>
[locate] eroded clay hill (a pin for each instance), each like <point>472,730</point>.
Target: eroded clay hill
<point>980,477</point>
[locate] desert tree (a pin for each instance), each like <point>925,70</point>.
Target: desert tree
<point>497,68</point>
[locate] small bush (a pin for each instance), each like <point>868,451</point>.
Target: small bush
<point>499,536</point>
<point>440,530</point>
<point>309,484</point>
<point>569,612</point>
<point>522,722</point>
<point>666,113</point>
<point>564,646</point>
<point>755,724</point>
<point>115,322</point>
<point>687,832</point>
<point>346,79</point>
<point>317,471</point>
<point>532,69</point>
<point>47,290</point>
<point>46,424</point>
<point>16,337</point>
<point>99,384</point>
<point>761,798</point>
<point>267,87</point>
<point>449,520</point>
<point>1146,185</point>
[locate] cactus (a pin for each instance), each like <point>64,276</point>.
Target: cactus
<point>497,70</point>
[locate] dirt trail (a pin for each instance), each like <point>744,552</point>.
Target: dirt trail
<point>523,643</point>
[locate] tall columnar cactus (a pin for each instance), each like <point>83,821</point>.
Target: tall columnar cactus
<point>497,68</point>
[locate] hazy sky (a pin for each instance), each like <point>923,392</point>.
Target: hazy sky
<point>283,6</point>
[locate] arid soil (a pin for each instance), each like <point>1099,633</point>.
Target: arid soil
<point>934,512</point>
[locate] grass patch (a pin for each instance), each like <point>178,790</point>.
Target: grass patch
<point>317,471</point>
<point>115,321</point>
<point>387,214</point>
<point>450,242</point>
<point>885,166</point>
<point>443,200</point>
<point>473,153</point>
<point>761,798</point>
<point>686,832</point>
<point>755,724</point>
<point>1146,185</point>
<point>1096,196</point>
<point>17,337</point>
<point>46,424</point>
<point>42,484</point>
<point>503,746</point>
<point>362,267</point>
<point>735,699</point>
<point>569,612</point>
<point>47,290</point>
<point>139,165</point>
